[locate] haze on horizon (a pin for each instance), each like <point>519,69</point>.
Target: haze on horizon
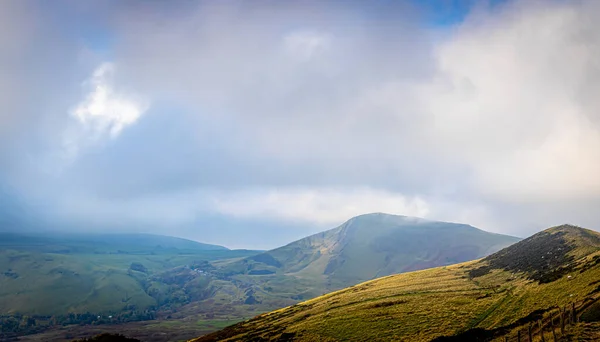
<point>251,124</point>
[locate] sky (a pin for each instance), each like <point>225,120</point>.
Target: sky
<point>252,124</point>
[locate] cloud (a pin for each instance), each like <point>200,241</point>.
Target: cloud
<point>324,207</point>
<point>267,217</point>
<point>104,112</point>
<point>307,113</point>
<point>490,113</point>
<point>41,69</point>
<point>512,101</point>
<point>305,45</point>
<point>316,206</point>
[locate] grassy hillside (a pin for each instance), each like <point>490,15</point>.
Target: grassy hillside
<point>363,248</point>
<point>494,297</point>
<point>79,243</point>
<point>194,291</point>
<point>375,245</point>
<point>60,274</point>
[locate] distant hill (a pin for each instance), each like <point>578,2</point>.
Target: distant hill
<point>484,300</point>
<point>375,245</point>
<point>202,288</point>
<point>105,274</point>
<point>129,243</point>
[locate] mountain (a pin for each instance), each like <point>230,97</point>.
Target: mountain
<point>375,245</point>
<point>538,280</point>
<point>101,243</point>
<point>203,291</point>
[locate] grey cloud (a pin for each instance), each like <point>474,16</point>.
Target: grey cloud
<point>473,111</point>
<point>493,123</point>
<point>41,70</point>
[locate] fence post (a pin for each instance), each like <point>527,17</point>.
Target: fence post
<point>553,329</point>
<point>518,335</point>
<point>573,313</point>
<point>541,330</point>
<point>529,333</point>
<point>562,321</point>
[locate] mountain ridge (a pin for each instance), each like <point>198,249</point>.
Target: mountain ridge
<point>379,244</point>
<point>214,288</point>
<point>102,241</point>
<point>447,301</point>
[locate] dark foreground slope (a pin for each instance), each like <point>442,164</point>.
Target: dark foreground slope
<point>492,297</point>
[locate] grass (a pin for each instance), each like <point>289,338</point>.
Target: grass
<point>374,245</point>
<point>424,305</point>
<point>216,324</point>
<point>87,274</point>
<point>49,284</point>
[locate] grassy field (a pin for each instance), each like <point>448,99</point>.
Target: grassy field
<point>51,283</point>
<point>443,301</point>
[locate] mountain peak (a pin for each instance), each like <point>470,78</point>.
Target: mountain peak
<point>564,228</point>
<point>373,245</point>
<point>584,240</point>
<point>546,256</point>
<point>391,217</point>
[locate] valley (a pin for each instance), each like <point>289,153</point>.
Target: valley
<point>160,291</point>
<point>65,282</point>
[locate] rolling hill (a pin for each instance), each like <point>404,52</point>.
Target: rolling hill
<point>77,243</point>
<point>57,274</point>
<point>193,290</point>
<point>374,245</point>
<point>493,298</point>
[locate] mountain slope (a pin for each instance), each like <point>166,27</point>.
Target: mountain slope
<point>374,245</point>
<point>493,297</point>
<point>64,273</point>
<point>114,273</point>
<point>130,243</point>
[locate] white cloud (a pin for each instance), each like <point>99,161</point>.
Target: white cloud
<point>105,111</point>
<point>315,113</point>
<point>511,99</point>
<point>501,111</point>
<point>305,45</point>
<point>504,109</point>
<point>323,206</point>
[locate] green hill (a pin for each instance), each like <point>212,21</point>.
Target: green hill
<point>375,245</point>
<point>59,274</point>
<point>78,243</point>
<point>483,300</point>
<point>191,290</point>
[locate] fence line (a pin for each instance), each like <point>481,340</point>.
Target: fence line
<point>547,326</point>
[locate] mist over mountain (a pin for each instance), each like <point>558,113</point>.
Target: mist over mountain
<point>521,290</point>
<point>173,167</point>
<point>184,119</point>
<point>375,245</point>
<point>144,277</point>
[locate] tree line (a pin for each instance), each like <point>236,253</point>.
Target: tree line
<point>17,324</point>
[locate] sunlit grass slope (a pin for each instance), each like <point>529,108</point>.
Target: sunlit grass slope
<point>553,268</point>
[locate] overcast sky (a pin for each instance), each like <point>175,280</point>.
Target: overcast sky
<point>254,123</point>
